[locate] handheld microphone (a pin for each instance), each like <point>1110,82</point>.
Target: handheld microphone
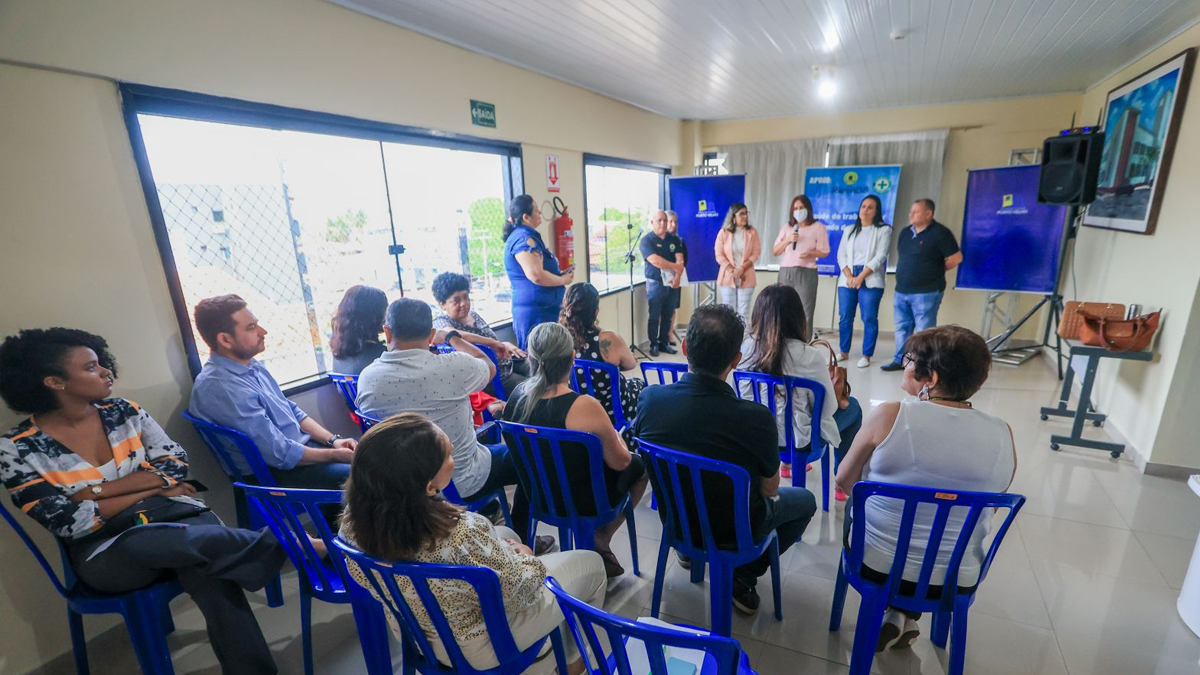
<point>797,230</point>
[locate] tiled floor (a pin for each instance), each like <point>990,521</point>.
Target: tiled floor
<point>1085,584</point>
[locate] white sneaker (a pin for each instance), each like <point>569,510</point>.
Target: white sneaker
<point>910,634</point>
<point>864,362</point>
<point>889,634</point>
<point>842,357</point>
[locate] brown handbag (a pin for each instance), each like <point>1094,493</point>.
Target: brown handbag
<point>1068,325</point>
<point>1118,335</point>
<point>841,386</point>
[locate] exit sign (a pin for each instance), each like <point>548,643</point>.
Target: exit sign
<point>483,114</point>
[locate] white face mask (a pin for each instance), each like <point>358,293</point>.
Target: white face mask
<point>801,215</point>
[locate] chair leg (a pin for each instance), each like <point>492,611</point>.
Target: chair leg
<point>697,571</point>
<point>958,639</point>
<point>839,600</point>
<point>566,542</point>
<point>777,586</point>
<point>560,654</point>
<point>306,629</point>
<point>168,621</point>
<point>632,527</point>
<point>372,635</point>
<point>825,479</point>
<point>660,572</point>
<point>144,624</point>
<point>275,592</point>
<point>941,628</point>
<point>504,509</point>
<point>720,598</point>
<point>78,642</point>
<point>866,634</point>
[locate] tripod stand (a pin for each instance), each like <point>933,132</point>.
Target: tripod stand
<point>630,258</point>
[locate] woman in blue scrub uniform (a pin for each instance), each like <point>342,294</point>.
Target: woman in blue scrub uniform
<point>537,283</point>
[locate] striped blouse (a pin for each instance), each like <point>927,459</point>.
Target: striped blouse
<point>41,474</point>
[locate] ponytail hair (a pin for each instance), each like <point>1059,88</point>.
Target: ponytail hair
<point>551,353</point>
<point>518,208</point>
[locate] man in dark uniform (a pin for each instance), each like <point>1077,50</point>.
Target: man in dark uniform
<point>927,251</point>
<point>662,253</point>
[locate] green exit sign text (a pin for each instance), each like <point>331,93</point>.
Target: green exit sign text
<point>483,114</point>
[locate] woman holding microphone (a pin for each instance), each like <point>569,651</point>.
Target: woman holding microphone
<point>737,249</point>
<point>537,283</point>
<point>798,246</point>
<point>862,258</point>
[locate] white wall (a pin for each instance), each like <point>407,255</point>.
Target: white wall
<point>80,250</point>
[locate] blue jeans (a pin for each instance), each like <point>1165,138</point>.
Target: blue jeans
<point>867,299</point>
<point>788,515</point>
<point>849,421</point>
<point>914,312</point>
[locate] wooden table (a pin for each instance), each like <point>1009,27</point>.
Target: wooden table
<point>1086,412</point>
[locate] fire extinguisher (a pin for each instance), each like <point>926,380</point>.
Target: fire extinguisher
<point>564,235</point>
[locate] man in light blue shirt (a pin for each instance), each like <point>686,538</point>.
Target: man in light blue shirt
<point>236,391</point>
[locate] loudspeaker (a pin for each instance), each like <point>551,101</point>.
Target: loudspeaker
<point>1071,167</point>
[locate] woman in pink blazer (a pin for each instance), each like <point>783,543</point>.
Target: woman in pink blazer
<point>737,249</point>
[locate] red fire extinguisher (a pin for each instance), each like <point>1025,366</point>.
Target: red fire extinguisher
<point>564,235</point>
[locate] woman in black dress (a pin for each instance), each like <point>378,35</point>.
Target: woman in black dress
<point>579,311</point>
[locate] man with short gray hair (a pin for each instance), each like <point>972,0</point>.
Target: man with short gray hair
<point>662,252</point>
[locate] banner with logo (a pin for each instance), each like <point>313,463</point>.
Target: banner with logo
<point>1010,242</point>
<point>701,203</point>
<point>836,192</point>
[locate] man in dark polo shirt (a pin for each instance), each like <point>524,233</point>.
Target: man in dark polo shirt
<point>927,251</point>
<point>702,415</point>
<point>662,252</point>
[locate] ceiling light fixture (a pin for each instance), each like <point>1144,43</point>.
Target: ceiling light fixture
<point>826,87</point>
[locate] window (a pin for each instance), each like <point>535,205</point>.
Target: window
<point>289,218</point>
<point>620,197</point>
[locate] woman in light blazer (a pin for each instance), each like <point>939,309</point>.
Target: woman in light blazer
<point>737,249</point>
<point>862,257</point>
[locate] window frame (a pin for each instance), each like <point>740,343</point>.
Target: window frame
<point>137,99</point>
<point>590,159</point>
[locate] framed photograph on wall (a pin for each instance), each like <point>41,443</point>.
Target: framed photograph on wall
<point>1141,123</point>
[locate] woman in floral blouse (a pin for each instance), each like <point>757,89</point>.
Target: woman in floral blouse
<point>395,511</point>
<point>84,466</point>
<point>453,294</point>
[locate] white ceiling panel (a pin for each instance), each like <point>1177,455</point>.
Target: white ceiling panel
<point>737,59</point>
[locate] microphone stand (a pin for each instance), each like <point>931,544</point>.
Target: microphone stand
<point>630,257</point>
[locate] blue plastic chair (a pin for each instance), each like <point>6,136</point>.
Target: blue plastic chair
<point>687,528</point>
<point>759,385</point>
<point>663,370</point>
<point>451,492</point>
<point>347,385</point>
<point>418,653</point>
<point>250,469</point>
<point>951,605</point>
<point>326,579</point>
<point>146,611</point>
<point>588,370</point>
<point>497,381</point>
<point>723,655</point>
<point>530,446</point>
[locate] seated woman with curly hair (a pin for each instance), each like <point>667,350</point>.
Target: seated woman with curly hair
<point>579,311</point>
<point>82,464</point>
<point>453,294</point>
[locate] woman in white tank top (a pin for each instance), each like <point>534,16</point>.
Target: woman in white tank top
<point>934,439</point>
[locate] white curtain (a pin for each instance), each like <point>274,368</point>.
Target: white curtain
<point>919,155</point>
<point>774,174</point>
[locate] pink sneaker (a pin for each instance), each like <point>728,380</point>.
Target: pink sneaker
<point>840,496</point>
<point>785,471</point>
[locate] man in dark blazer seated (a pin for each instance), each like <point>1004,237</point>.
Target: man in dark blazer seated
<point>702,415</point>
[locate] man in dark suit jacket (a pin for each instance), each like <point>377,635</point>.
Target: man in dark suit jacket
<point>702,415</point>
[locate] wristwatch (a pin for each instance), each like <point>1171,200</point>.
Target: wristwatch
<point>333,439</point>
<point>96,490</point>
<point>450,336</point>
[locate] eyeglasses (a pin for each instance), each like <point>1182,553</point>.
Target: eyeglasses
<point>907,359</point>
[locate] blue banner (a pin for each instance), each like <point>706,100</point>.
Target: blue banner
<point>701,203</point>
<point>836,192</point>
<point>1010,242</point>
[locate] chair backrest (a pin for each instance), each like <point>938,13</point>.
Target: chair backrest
<point>663,371</point>
<point>284,510</point>
<point>586,372</point>
<point>539,456</point>
<point>679,481</point>
<point>245,460</point>
<point>383,575</point>
<point>347,385</point>
<point>585,621</point>
<point>943,501</point>
<point>62,586</point>
<point>497,381</point>
<point>762,388</point>
<point>367,422</point>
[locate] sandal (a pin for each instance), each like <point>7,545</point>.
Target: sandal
<point>612,567</point>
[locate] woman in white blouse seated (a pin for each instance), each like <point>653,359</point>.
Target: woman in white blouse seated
<point>933,439</point>
<point>775,344</point>
<point>395,511</point>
